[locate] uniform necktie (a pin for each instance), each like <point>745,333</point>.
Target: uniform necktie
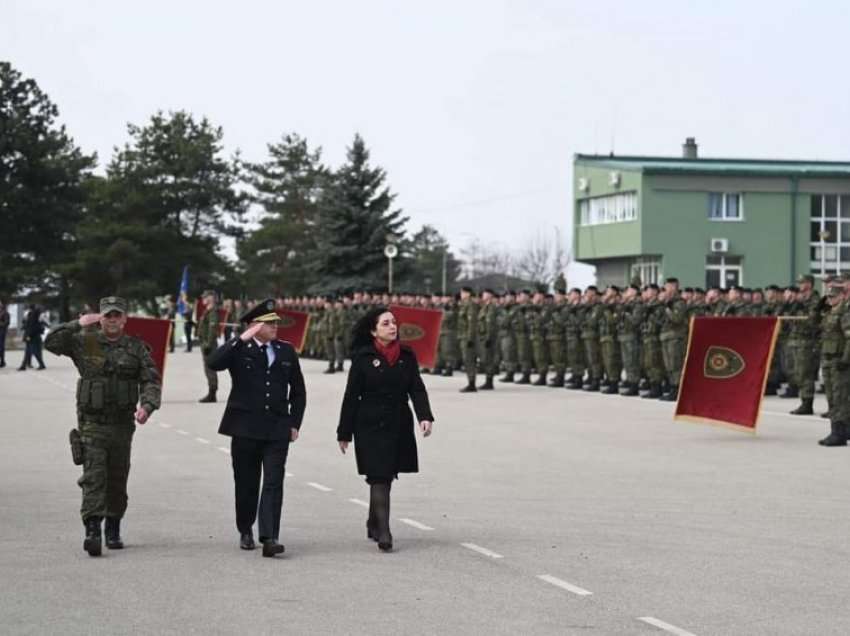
<point>264,348</point>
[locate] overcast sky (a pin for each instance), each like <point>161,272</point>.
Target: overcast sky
<point>474,108</point>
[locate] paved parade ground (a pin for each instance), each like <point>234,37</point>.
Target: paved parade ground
<point>537,511</point>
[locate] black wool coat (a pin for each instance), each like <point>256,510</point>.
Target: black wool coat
<point>376,414</point>
<point>264,403</point>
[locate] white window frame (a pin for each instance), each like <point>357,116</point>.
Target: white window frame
<point>724,210</point>
<point>722,267</point>
<point>648,269</point>
<point>621,207</point>
<point>821,267</point>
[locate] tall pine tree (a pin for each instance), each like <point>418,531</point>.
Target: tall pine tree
<point>355,223</point>
<point>277,257</point>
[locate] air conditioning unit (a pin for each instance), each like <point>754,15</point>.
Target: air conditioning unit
<point>719,245</point>
<point>614,179</point>
<point>584,184</point>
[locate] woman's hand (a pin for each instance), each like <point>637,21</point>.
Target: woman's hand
<point>343,446</point>
<point>425,426</point>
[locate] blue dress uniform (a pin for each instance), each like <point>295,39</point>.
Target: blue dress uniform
<point>267,400</point>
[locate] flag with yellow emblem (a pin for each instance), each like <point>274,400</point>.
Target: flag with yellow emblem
<point>419,329</point>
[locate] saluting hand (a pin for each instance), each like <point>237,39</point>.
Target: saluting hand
<point>251,331</point>
<point>89,319</point>
<point>343,446</point>
<point>425,426</point>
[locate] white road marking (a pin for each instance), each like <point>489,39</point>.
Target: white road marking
<point>564,585</point>
<point>484,551</point>
<point>182,432</point>
<point>319,486</point>
<point>359,502</point>
<point>667,627</point>
<point>223,449</point>
<point>164,425</point>
<point>415,524</point>
<point>202,440</point>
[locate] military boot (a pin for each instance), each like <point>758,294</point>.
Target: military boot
<point>92,543</point>
<point>448,372</point>
<point>790,391</point>
<point>508,377</point>
<point>654,392</point>
<point>592,385</point>
<point>525,379</point>
<point>209,398</point>
<point>670,396</point>
<point>112,530</point>
<point>610,388</point>
<point>488,384</point>
<point>541,380</point>
<point>805,408</point>
<point>574,383</point>
<point>837,436</point>
<point>630,390</point>
<point>558,381</point>
<point>339,366</point>
<point>330,369</point>
<point>469,388</point>
<point>825,415</point>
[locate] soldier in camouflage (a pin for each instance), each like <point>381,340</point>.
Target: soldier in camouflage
<point>119,386</point>
<point>467,334</point>
<point>207,332</point>
<point>835,360</point>
<point>488,337</point>
<point>507,340</point>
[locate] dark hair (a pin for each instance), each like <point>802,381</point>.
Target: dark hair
<point>361,333</point>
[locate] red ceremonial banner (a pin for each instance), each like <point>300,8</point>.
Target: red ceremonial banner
<point>201,309</point>
<point>419,329</point>
<point>156,333</point>
<point>293,327</point>
<point>725,371</point>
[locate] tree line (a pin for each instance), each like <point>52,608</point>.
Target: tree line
<point>171,197</point>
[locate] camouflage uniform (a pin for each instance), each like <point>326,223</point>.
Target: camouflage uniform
<point>467,334</point>
<point>507,342</point>
<point>114,377</point>
<point>207,332</point>
<point>629,320</point>
<point>835,360</point>
<point>555,332</point>
<point>488,341</point>
<point>537,317</point>
<point>674,340</point>
<point>519,327</point>
<point>590,339</point>
<point>447,360</point>
<point>576,360</point>
<point>609,347</point>
<point>651,358</point>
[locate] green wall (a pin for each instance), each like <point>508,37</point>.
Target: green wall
<point>608,240</point>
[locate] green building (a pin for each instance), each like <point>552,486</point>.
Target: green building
<point>723,222</point>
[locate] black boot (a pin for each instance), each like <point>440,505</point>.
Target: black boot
<point>672,395</point>
<point>508,377</point>
<point>92,543</point>
<point>271,547</point>
<point>654,392</point>
<point>558,381</point>
<point>591,385</point>
<point>112,530</point>
<point>630,390</point>
<point>469,388</point>
<point>825,415</point>
<point>805,408</point>
<point>379,503</point>
<point>791,391</point>
<point>209,398</point>
<point>837,436</point>
<point>488,384</point>
<point>575,383</point>
<point>448,372</point>
<point>525,379</point>
<point>340,366</point>
<point>541,380</point>
<point>330,369</point>
<point>609,389</point>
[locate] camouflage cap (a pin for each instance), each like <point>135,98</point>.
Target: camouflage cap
<point>806,278</point>
<point>835,290</point>
<point>113,303</point>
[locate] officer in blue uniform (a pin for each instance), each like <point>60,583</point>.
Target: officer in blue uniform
<point>263,416</point>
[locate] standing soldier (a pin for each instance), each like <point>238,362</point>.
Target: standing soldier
<point>208,328</point>
<point>507,340</point>
<point>608,344</point>
<point>590,338</point>
<point>448,336</point>
<point>803,343</point>
<point>488,337</point>
<point>575,348</point>
<point>342,330</point>
<point>629,320</point>
<point>118,384</point>
<point>555,332</point>
<point>835,352</point>
<point>536,316</point>
<point>467,333</point>
<point>674,337</point>
<point>519,326</point>
<point>652,360</point>
<point>329,327</point>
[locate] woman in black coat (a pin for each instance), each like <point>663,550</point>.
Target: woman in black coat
<point>375,412</point>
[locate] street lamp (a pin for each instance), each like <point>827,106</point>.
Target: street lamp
<point>390,251</point>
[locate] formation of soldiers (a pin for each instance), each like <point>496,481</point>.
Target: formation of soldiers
<point>620,341</point>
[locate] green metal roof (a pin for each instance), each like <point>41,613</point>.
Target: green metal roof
<point>749,167</point>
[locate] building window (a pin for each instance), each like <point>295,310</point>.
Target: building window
<point>614,208</point>
<point>830,234</point>
<point>725,206</point>
<point>648,269</point>
<point>723,271</point>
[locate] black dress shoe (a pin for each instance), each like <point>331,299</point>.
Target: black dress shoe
<point>209,398</point>
<point>272,547</point>
<point>246,541</point>
<point>385,543</point>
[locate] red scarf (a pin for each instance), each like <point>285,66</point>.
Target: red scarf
<point>390,352</point>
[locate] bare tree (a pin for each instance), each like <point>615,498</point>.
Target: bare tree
<point>482,260</point>
<point>542,258</point>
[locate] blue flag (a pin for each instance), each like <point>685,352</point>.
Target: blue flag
<point>183,294</point>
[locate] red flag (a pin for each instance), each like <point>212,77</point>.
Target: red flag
<point>155,332</point>
<point>725,371</point>
<point>293,327</point>
<point>419,329</point>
